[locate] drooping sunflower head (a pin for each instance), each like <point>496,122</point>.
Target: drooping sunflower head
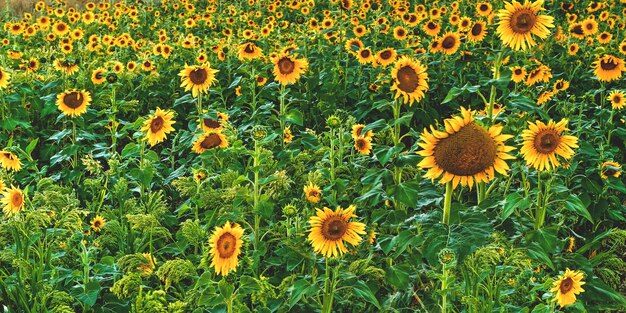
<point>287,69</point>
<point>208,124</point>
<point>329,230</point>
<point>10,161</point>
<point>610,169</point>
<point>567,287</point>
<point>410,80</point>
<point>4,79</point>
<point>542,143</point>
<point>313,193</point>
<point>158,126</point>
<point>465,152</point>
<point>618,99</point>
<point>198,78</point>
<point>97,223</point>
<point>212,139</point>
<point>73,102</point>
<point>518,22</point>
<point>12,201</point>
<point>225,244</point>
<point>249,51</point>
<point>608,68</point>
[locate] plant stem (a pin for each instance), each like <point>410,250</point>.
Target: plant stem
<point>329,290</point>
<point>447,204</point>
<point>496,75</point>
<point>444,287</point>
<point>540,214</point>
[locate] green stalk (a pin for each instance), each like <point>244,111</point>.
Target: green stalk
<point>608,139</point>
<point>329,289</point>
<point>444,287</point>
<point>447,204</point>
<point>496,75</point>
<point>540,214</point>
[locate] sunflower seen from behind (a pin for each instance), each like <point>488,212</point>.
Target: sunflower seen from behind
<point>158,126</point>
<point>567,286</point>
<point>225,244</point>
<point>12,201</point>
<point>464,152</point>
<point>197,78</point>
<point>288,69</point>
<point>74,102</point>
<point>410,80</point>
<point>519,22</point>
<point>544,142</point>
<point>330,229</point>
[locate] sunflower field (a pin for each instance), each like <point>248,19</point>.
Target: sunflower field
<point>175,156</point>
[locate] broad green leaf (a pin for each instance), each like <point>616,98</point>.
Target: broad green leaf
<point>363,291</point>
<point>574,204</point>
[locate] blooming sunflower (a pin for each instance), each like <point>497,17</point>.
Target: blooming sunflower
<point>608,68</point>
<point>465,152</point>
<point>357,131</point>
<point>225,244</point>
<point>158,126</point>
<point>198,78</point>
<point>97,223</point>
<point>478,32</point>
<point>287,135</point>
<point>518,22</point>
<point>618,99</point>
<point>330,229</point>
<point>287,69</point>
<point>208,124</point>
<point>4,79</point>
<point>10,161</point>
<point>363,145</point>
<point>450,43</point>
<point>73,102</point>
<point>98,77</point>
<point>313,193</point>
<point>249,51</point>
<point>567,287</point>
<point>210,140</point>
<point>12,201</point>
<point>542,143</point>
<point>150,264</point>
<point>518,74</point>
<point>610,168</point>
<point>410,80</point>
<point>386,56</point>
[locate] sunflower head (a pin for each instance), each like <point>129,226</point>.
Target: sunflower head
<point>567,286</point>
<point>329,230</point>
<point>158,126</point>
<point>10,161</point>
<point>225,244</point>
<point>212,139</point>
<point>97,223</point>
<point>519,22</point>
<point>617,99</point>
<point>410,80</point>
<point>543,142</point>
<point>12,201</point>
<point>73,102</point>
<point>610,169</point>
<point>608,68</point>
<point>197,78</point>
<point>4,79</point>
<point>363,145</point>
<point>288,69</point>
<point>313,193</point>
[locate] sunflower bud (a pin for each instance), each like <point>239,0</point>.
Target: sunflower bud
<point>289,210</point>
<point>112,78</point>
<point>259,132</point>
<point>446,256</point>
<point>333,121</point>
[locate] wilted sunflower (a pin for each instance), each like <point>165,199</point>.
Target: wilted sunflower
<point>225,244</point>
<point>97,223</point>
<point>542,143</point>
<point>567,287</point>
<point>608,68</point>
<point>212,139</point>
<point>330,229</point>
<point>4,79</point>
<point>313,193</point>
<point>158,126</point>
<point>249,51</point>
<point>10,161</point>
<point>363,145</point>
<point>198,78</point>
<point>410,80</point>
<point>518,22</point>
<point>610,168</point>
<point>618,99</point>
<point>13,201</point>
<point>465,152</point>
<point>73,102</point>
<point>287,69</point>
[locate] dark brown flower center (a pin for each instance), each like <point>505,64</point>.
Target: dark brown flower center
<point>361,144</point>
<point>518,71</point>
<point>226,245</point>
<point>365,54</point>
<point>448,42</point>
<point>73,99</point>
<point>578,30</point>
<point>198,76</point>
<point>385,55</point>
<point>546,141</point>
<point>617,99</point>
<point>608,64</point>
<point>609,171</point>
<point>156,124</point>
<point>314,193</point>
<point>559,85</point>
<point>211,141</point>
<point>589,26</point>
<point>483,7</point>
<point>469,151</point>
<point>400,32</point>
<point>431,25</point>
<point>522,21</point>
<point>249,48</point>
<point>477,29</point>
<point>209,123</point>
<point>334,227</point>
<point>97,224</point>
<point>407,79</point>
<point>566,285</point>
<point>286,66</point>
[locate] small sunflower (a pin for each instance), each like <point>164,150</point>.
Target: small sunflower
<point>363,145</point>
<point>249,51</point>
<point>386,56</point>
<point>542,143</point>
<point>98,76</point>
<point>313,193</point>
<point>567,287</point>
<point>208,124</point>
<point>518,74</point>
<point>365,56</point>
<point>97,223</point>
<point>10,161</point>
<point>518,22</point>
<point>287,135</point>
<point>225,244</point>
<point>610,168</point>
<point>150,264</point>
<point>410,80</point>
<point>618,99</point>
<point>73,102</point>
<point>464,152</point>
<point>212,139</point>
<point>357,131</point>
<point>287,69</point>
<point>198,78</point>
<point>158,126</point>
<point>12,201</point>
<point>450,43</point>
<point>560,85</point>
<point>608,68</point>
<point>4,79</point>
<point>330,229</point>
<point>478,32</point>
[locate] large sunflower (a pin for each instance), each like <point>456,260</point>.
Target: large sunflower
<point>10,161</point>
<point>210,140</point>
<point>410,80</point>
<point>542,143</point>
<point>464,152</point>
<point>608,68</point>
<point>567,287</point>
<point>518,22</point>
<point>4,79</point>
<point>158,126</point>
<point>73,102</point>
<point>330,229</point>
<point>197,78</point>
<point>287,69</point>
<point>225,244</point>
<point>12,201</point>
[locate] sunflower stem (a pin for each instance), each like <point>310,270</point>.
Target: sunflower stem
<point>283,109</point>
<point>447,204</point>
<point>608,139</point>
<point>329,289</point>
<point>253,88</point>
<point>199,104</point>
<point>444,287</point>
<point>480,192</point>
<point>496,75</point>
<point>540,215</point>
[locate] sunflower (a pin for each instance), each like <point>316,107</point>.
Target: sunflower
<point>65,66</point>
<point>60,28</point>
<point>198,78</point>
<point>518,22</point>
<point>365,56</point>
<point>431,28</point>
<point>410,80</point>
<point>450,43</point>
<point>313,193</point>
<point>545,97</point>
<point>287,69</point>
<point>518,74</point>
<point>330,229</point>
<point>158,126</point>
<point>363,145</point>
<point>98,77</point>
<point>249,51</point>
<point>399,33</point>
<point>560,85</point>
<point>225,244</point>
<point>542,143</point>
<point>357,131</point>
<point>73,102</point>
<point>483,9</point>
<point>608,68</point>
<point>590,26</point>
<point>610,168</point>
<point>465,152</point>
<point>4,79</point>
<point>10,161</point>
<point>13,201</point>
<point>567,287</point>
<point>208,124</point>
<point>287,135</point>
<point>97,223</point>
<point>478,32</point>
<point>618,99</point>
<point>212,139</point>
<point>150,264</point>
<point>386,56</point>
<point>576,30</point>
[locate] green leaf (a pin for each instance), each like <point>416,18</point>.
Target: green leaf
<point>299,289</point>
<point>574,204</point>
<point>248,285</point>
<point>225,288</point>
<point>398,276</point>
<point>130,149</point>
<point>407,193</point>
<point>31,146</point>
<point>89,294</point>
<point>512,202</point>
<point>455,92</point>
<point>384,153</point>
<point>536,252</point>
<point>295,117</point>
<point>60,135</point>
<point>363,291</point>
